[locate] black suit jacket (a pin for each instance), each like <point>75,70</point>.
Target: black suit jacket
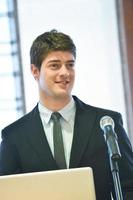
<point>24,148</point>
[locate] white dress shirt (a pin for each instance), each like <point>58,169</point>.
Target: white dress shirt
<point>67,124</point>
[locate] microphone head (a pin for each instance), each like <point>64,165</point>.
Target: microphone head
<point>106,121</point>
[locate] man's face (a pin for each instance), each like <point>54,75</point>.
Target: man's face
<point>57,74</point>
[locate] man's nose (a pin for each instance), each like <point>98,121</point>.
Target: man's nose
<point>64,70</point>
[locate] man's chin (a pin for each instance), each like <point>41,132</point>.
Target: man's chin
<point>62,96</point>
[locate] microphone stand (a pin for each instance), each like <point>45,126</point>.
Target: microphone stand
<point>116,179</point>
<point>114,156</point>
<point>107,125</point>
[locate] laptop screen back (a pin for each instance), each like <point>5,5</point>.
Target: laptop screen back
<point>68,184</point>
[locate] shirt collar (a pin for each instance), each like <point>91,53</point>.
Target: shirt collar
<point>67,112</point>
<point>45,113</point>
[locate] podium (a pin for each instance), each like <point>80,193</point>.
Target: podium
<point>68,184</point>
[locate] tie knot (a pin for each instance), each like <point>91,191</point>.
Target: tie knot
<point>56,116</point>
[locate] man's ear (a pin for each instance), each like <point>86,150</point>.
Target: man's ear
<point>35,71</point>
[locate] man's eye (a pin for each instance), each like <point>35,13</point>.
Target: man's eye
<point>54,66</point>
<point>70,65</point>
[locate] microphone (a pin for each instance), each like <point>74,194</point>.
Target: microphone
<point>107,125</point>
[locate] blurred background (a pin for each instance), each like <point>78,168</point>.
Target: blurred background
<point>103,33</point>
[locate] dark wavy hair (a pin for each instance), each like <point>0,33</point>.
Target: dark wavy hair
<point>48,42</point>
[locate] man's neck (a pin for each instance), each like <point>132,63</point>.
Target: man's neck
<point>55,104</point>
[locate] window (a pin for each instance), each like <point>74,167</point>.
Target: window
<point>12,101</point>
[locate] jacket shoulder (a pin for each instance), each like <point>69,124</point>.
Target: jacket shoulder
<point>97,110</point>
<point>20,123</point>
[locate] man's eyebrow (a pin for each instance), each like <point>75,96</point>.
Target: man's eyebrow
<point>70,61</point>
<point>51,61</point>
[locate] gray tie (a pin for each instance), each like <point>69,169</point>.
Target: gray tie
<point>59,154</point>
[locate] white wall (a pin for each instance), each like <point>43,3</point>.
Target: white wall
<point>92,25</point>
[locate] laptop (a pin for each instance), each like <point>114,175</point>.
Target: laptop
<point>67,184</point>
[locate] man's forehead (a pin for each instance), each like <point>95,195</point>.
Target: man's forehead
<point>58,56</point>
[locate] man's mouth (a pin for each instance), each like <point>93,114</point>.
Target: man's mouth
<point>63,82</point>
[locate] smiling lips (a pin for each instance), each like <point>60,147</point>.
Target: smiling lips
<point>63,83</point>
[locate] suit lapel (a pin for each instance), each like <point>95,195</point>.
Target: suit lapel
<point>38,140</point>
<point>84,122</point>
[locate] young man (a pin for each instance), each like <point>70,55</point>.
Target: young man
<point>28,144</point>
